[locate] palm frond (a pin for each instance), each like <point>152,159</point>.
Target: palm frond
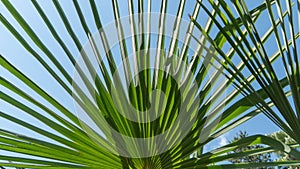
<point>145,94</point>
<point>251,49</point>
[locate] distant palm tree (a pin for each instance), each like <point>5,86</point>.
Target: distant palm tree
<point>165,102</point>
<point>258,158</point>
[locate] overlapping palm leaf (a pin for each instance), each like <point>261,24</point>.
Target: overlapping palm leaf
<point>252,49</point>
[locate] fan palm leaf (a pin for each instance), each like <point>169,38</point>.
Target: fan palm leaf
<point>132,97</point>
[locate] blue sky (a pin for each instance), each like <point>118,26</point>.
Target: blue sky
<point>14,52</point>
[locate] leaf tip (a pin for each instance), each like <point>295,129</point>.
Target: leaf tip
<point>190,16</point>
